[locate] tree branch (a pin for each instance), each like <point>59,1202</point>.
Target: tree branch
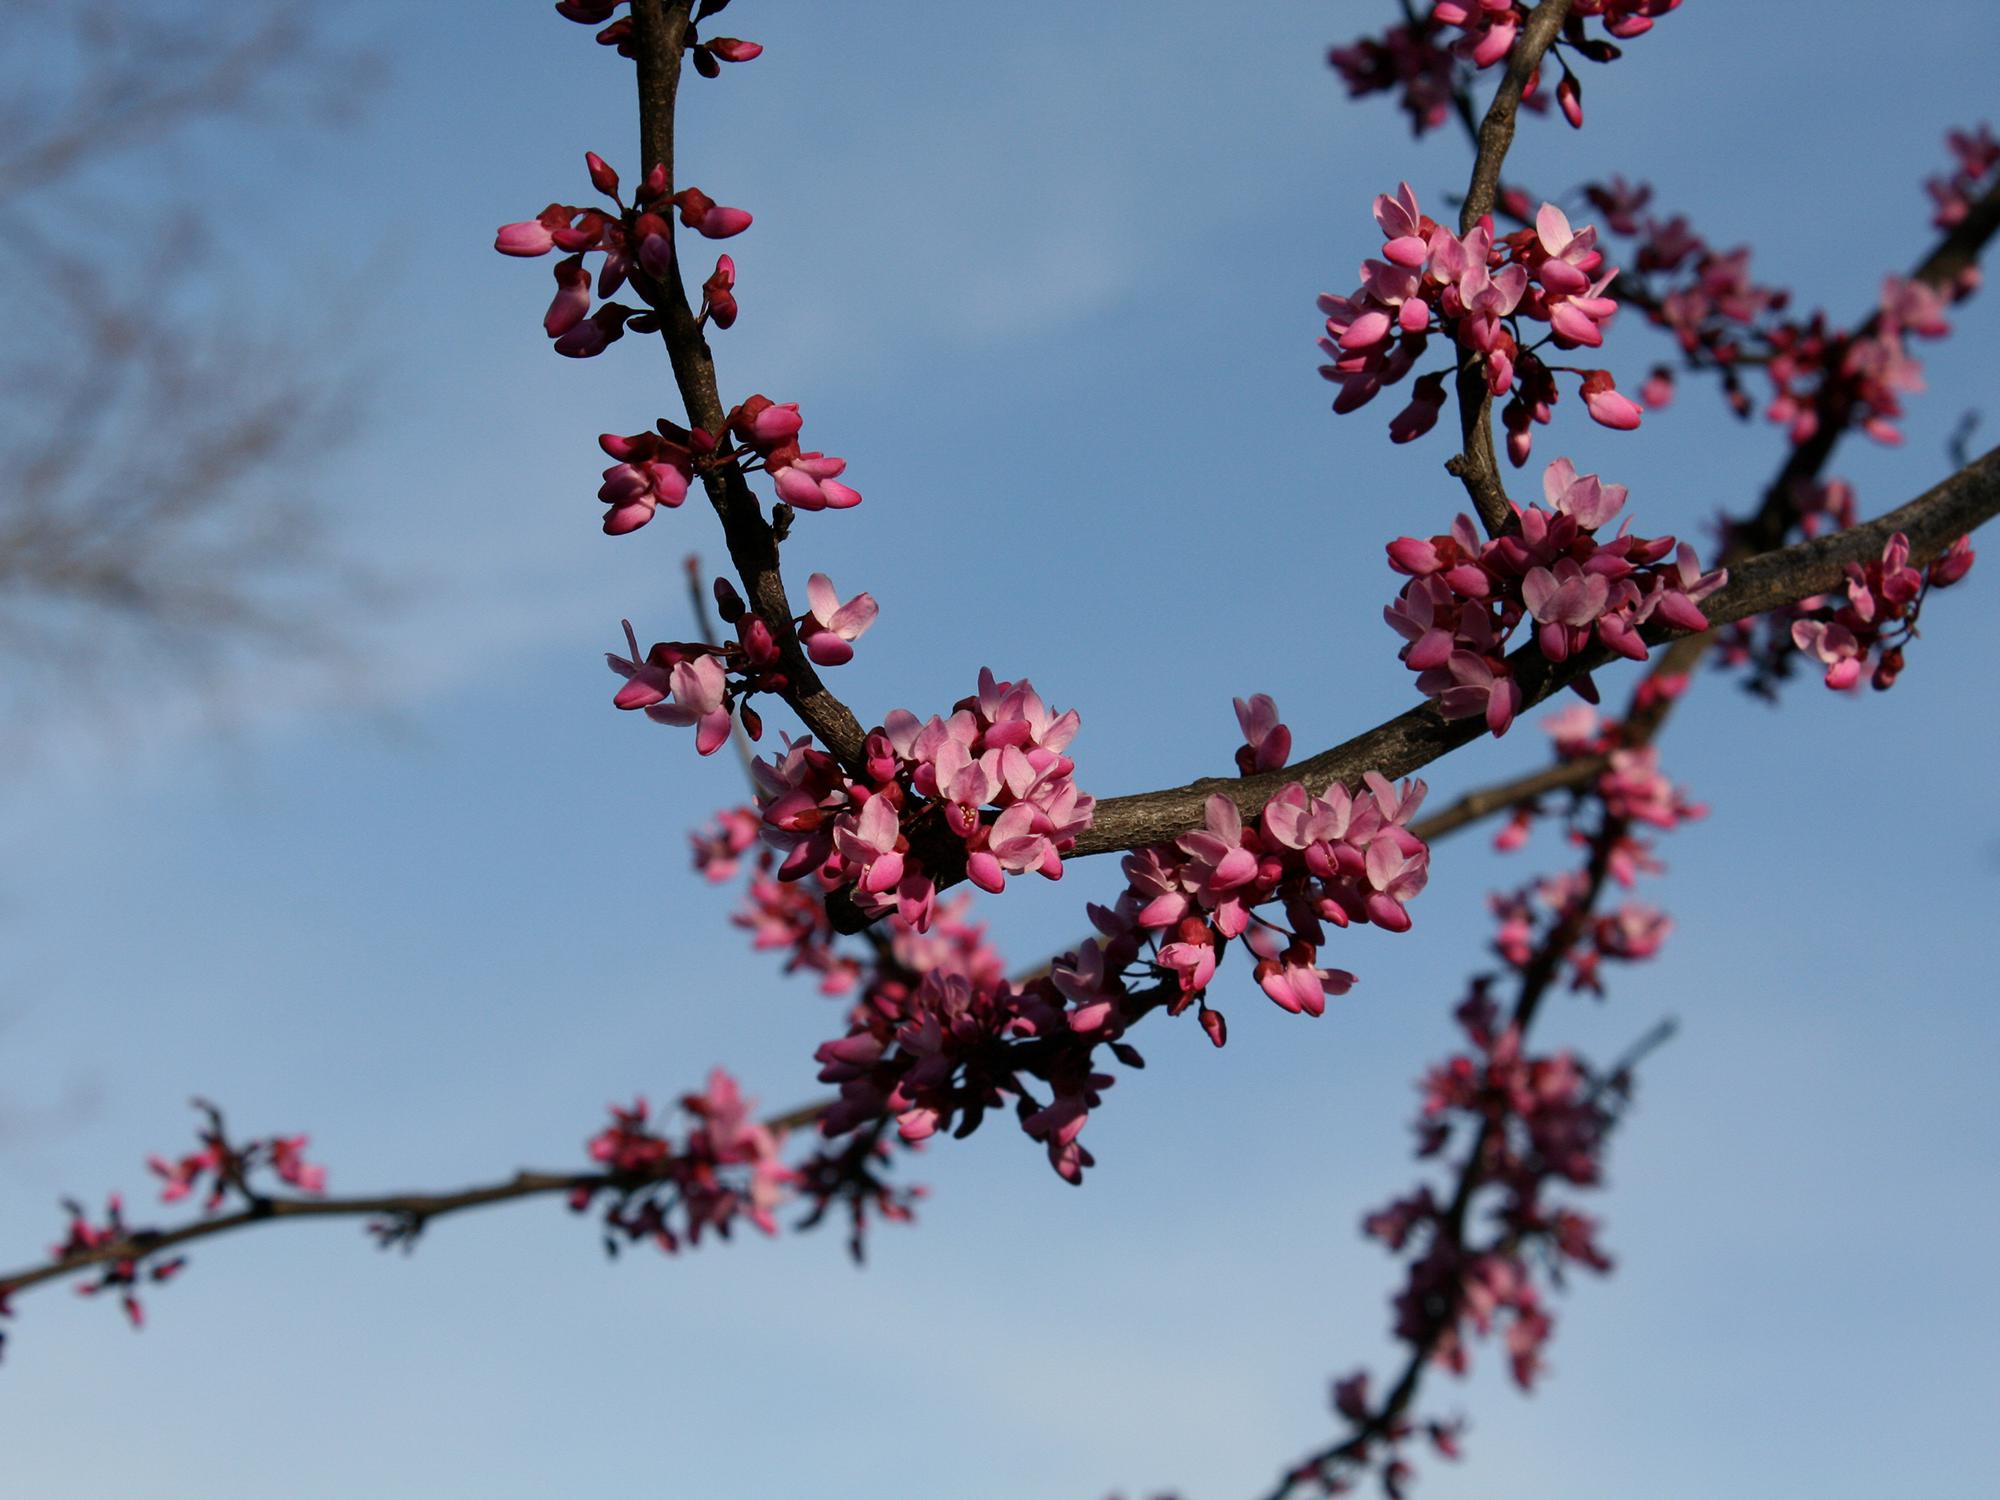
<point>1477,466</point>
<point>1537,981</point>
<point>753,542</point>
<point>419,1208</point>
<point>1413,739</point>
<point>1777,513</point>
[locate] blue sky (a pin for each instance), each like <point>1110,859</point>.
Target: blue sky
<point>1050,289</point>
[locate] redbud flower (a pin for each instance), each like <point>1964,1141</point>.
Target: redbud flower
<point>808,483</point>
<point>1268,743</point>
<point>1569,98</point>
<point>702,214</point>
<point>1420,416</point>
<point>601,176</point>
<point>530,238</point>
<point>718,293</point>
<point>653,470</point>
<point>572,300</point>
<point>827,632</point>
<point>1953,563</point>
<point>1605,405</point>
<point>698,688</point>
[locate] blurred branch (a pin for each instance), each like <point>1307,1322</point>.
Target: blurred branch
<point>155,519</point>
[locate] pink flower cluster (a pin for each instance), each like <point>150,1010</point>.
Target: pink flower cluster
<point>941,1053</point>
<point>683,683</point>
<point>1408,61</point>
<point>727,1166</point>
<point>1728,323</point>
<point>1820,374</point>
<point>648,470</point>
<point>1492,26</point>
<point>990,786</point>
<point>707,56</point>
<point>124,1275</point>
<point>1877,615</point>
<point>637,246</point>
<point>1477,291</point>
<point>937,1035</point>
<point>652,469</point>
<point>804,481</point>
<point>1631,790</point>
<point>1432,73</point>
<point>228,1168</point>
<point>1540,1122</point>
<point>1975,160</point>
<point>1466,596</point>
<point>719,848</point>
<point>1334,858</point>
<point>1633,931</point>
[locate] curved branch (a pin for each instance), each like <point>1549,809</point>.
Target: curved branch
<point>1932,521</point>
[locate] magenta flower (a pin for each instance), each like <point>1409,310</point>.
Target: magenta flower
<point>653,469</point>
<point>1584,498</point>
<point>1479,690</point>
<point>830,629</point>
<point>1268,743</point>
<point>1606,406</point>
<point>1567,601</point>
<point>706,217</point>
<point>698,692</point>
<point>718,293</point>
<point>808,482</point>
<point>530,238</point>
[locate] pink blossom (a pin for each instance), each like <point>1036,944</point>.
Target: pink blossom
<point>808,482</point>
<point>1267,742</point>
<point>698,692</point>
<point>718,293</point>
<point>706,217</point>
<point>1478,690</point>
<point>652,470</point>
<point>828,631</point>
<point>1606,406</point>
<point>1589,502</point>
